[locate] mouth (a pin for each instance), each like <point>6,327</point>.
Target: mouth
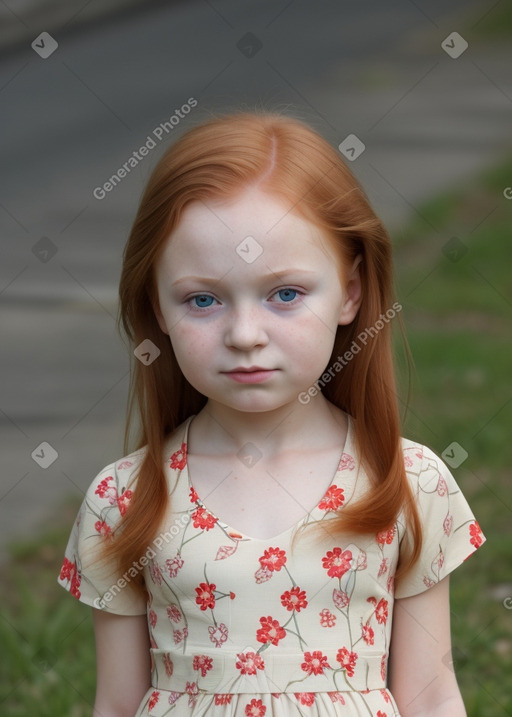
<point>251,374</point>
<point>250,369</point>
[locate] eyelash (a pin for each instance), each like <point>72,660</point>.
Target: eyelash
<point>293,302</point>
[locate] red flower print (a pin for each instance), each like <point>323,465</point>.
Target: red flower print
<point>203,519</point>
<point>193,495</point>
<point>192,690</point>
<point>179,635</point>
<point>305,698</point>
<point>103,529</point>
<point>155,572</point>
<point>386,536</point>
<point>314,662</point>
<point>340,598</point>
<point>380,713</point>
<point>173,613</point>
<point>203,663</point>
<point>178,460</point>
<point>223,699</point>
<point>249,662</point>
<point>346,462</point>
<point>337,562</point>
<point>218,634</point>
<point>391,585</point>
<point>381,611</point>
<point>383,667</point>
<point>70,572</point>
<point>270,631</point>
<point>225,551</point>
<point>385,695</point>
<point>174,696</point>
<point>106,491</point>
<point>442,488</point>
<point>368,634</point>
<point>428,582</point>
<point>438,561</point>
<point>205,597</point>
<point>333,499</point>
<point>336,697</point>
<point>153,700</point>
<point>174,565</point>
<point>383,567</point>
<point>124,464</point>
<point>273,559</point>
<point>75,585</point>
<point>294,599</point>
<point>347,660</point>
<point>67,569</point>
<point>476,534</point>
<point>448,524</point>
<point>255,708</point>
<point>124,501</point>
<point>362,562</point>
<point>327,618</point>
<point>262,575</point>
<point>152,618</point>
<point>168,664</point>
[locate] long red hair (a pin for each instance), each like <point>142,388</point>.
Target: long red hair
<point>290,161</point>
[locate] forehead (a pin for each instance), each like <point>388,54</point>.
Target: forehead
<point>246,231</point>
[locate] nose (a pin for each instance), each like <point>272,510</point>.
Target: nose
<point>246,327</point>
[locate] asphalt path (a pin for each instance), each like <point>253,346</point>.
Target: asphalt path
<point>429,111</point>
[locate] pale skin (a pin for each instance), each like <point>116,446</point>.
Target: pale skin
<point>280,313</point>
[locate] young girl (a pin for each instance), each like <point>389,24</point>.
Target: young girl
<point>273,547</point>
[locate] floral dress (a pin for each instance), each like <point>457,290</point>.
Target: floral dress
<point>242,626</point>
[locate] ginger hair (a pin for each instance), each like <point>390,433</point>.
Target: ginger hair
<point>290,161</point>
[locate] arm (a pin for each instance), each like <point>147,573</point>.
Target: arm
<point>123,663</point>
<point>422,679</point>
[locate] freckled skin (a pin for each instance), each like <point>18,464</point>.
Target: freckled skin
<point>236,313</point>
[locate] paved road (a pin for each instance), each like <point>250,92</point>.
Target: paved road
<point>71,120</point>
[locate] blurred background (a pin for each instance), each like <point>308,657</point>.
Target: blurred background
<point>426,87</point>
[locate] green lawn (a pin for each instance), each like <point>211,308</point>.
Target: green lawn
<point>457,308</point>
<point>457,302</point>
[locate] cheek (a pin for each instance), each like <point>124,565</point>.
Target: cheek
<point>311,343</point>
<point>188,342</point>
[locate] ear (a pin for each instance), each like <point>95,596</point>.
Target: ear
<point>353,294</point>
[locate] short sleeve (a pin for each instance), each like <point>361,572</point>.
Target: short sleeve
<point>84,573</point>
<point>450,531</point>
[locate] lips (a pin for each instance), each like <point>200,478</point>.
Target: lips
<point>250,374</point>
<point>251,369</point>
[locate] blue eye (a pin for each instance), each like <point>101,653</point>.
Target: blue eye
<point>287,294</point>
<point>203,301</point>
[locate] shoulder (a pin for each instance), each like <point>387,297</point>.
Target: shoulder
<point>109,494</point>
<point>119,478</point>
<point>121,473</point>
<point>426,470</point>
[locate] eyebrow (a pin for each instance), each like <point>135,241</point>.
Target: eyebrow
<point>272,275</point>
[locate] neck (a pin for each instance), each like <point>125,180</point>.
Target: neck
<point>220,429</point>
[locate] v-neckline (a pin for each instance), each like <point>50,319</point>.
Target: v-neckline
<point>347,449</point>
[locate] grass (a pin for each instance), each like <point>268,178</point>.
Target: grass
<point>494,24</point>
<point>47,638</point>
<point>456,312</point>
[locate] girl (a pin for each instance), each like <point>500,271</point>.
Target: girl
<point>273,547</point>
